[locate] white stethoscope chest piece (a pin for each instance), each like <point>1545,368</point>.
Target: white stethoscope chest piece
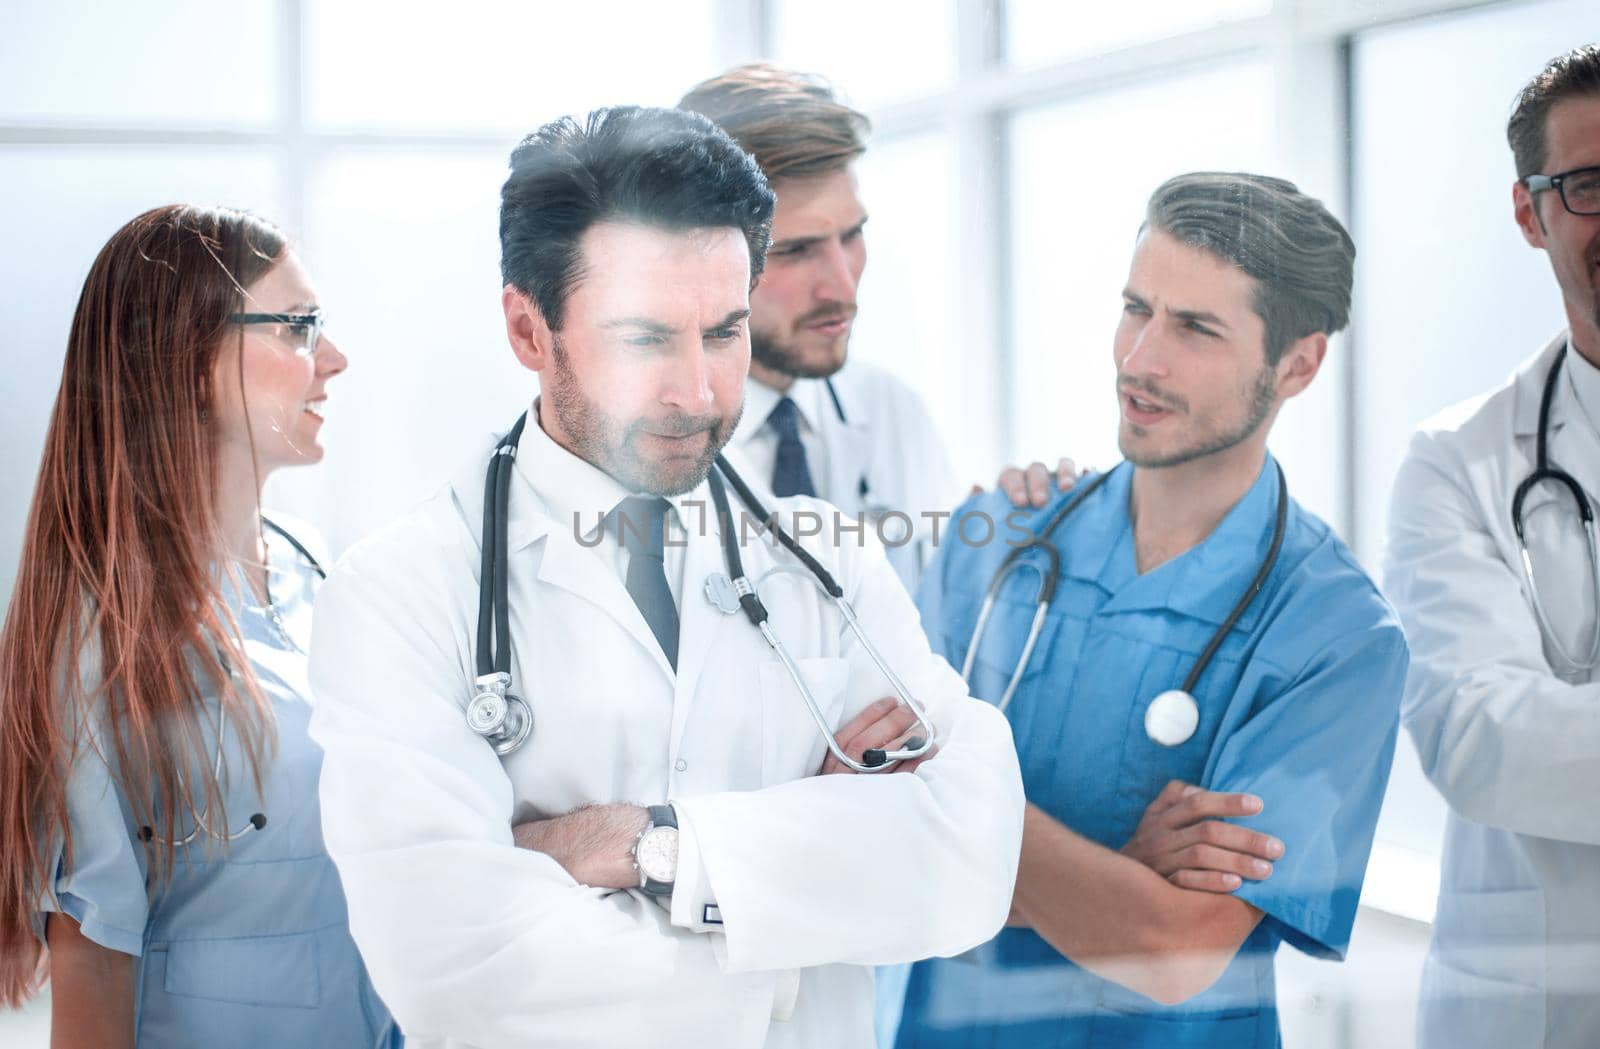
<point>1171,718</point>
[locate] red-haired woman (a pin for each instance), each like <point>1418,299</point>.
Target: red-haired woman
<point>161,855</point>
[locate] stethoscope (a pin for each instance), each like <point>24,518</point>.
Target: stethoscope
<point>1172,717</point>
<point>505,719</point>
<point>257,820</point>
<point>1544,471</point>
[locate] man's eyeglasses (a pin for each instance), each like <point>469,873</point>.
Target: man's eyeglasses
<point>1579,189</point>
<point>303,330</point>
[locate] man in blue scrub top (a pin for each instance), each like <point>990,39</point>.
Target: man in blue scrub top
<point>1141,917</point>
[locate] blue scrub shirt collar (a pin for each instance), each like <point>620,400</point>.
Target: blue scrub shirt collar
<point>1204,582</point>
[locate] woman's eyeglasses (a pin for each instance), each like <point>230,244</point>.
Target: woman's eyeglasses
<point>303,329</point>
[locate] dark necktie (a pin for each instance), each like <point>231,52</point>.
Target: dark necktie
<point>791,475</point>
<point>640,521</point>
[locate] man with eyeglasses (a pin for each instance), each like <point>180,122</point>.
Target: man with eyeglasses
<point>1491,564</point>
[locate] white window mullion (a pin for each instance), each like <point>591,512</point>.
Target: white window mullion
<point>983,240</point>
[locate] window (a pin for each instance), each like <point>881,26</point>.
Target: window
<point>910,294</point>
<point>1081,172</point>
<point>879,52</point>
<point>193,64</point>
<point>379,143</point>
<point>406,255</point>
<point>498,65</point>
<point>1041,30</point>
<point>58,205</point>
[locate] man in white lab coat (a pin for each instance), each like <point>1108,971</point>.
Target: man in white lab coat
<point>533,899</point>
<point>1505,712</point>
<point>856,436</point>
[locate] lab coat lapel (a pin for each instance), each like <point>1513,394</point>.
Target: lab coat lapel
<point>1529,382</point>
<point>701,626</point>
<point>1574,445</point>
<point>850,448</point>
<point>566,563</point>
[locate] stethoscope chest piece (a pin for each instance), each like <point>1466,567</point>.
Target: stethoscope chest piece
<point>499,716</point>
<point>722,594</point>
<point>1171,718</point>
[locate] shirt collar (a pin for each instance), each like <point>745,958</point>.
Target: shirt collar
<point>1088,538</point>
<point>1212,577</point>
<point>760,399</point>
<point>1204,582</point>
<point>291,579</point>
<point>578,494</point>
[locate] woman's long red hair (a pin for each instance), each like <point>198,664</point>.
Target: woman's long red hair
<point>115,625</point>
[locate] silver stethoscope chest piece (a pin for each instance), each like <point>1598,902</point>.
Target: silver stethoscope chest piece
<point>1171,718</point>
<point>721,592</point>
<point>500,717</point>
<point>486,713</point>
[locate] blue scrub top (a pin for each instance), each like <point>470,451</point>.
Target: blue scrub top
<point>1299,706</point>
<point>248,944</point>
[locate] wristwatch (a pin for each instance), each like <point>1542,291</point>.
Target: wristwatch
<point>655,851</point>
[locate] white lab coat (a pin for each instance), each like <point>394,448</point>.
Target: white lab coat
<point>1515,749</point>
<point>472,941</point>
<point>885,455</point>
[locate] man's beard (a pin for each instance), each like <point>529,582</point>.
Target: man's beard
<point>785,358</point>
<point>1263,399</point>
<point>598,438</point>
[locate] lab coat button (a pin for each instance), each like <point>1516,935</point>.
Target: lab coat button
<point>681,766</point>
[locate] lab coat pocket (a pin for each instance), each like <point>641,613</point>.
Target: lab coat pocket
<point>256,970</point>
<point>792,744</point>
<point>1484,980</point>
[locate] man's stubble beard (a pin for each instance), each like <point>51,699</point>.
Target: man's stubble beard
<point>598,439</point>
<point>1263,400</point>
<point>782,357</point>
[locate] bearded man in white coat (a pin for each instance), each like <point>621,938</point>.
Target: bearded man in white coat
<point>1503,698</point>
<point>533,898</point>
<point>814,424</point>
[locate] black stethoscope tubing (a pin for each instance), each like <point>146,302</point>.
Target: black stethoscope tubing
<point>257,820</point>
<point>874,759</point>
<point>1042,541</point>
<point>298,547</point>
<point>505,720</point>
<point>494,603</point>
<point>1542,470</point>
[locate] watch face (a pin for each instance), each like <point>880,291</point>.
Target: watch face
<point>658,853</point>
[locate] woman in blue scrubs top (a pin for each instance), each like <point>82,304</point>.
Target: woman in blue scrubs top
<point>164,858</point>
<point>1299,707</point>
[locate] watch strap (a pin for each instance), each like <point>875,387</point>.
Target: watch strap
<point>658,816</point>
